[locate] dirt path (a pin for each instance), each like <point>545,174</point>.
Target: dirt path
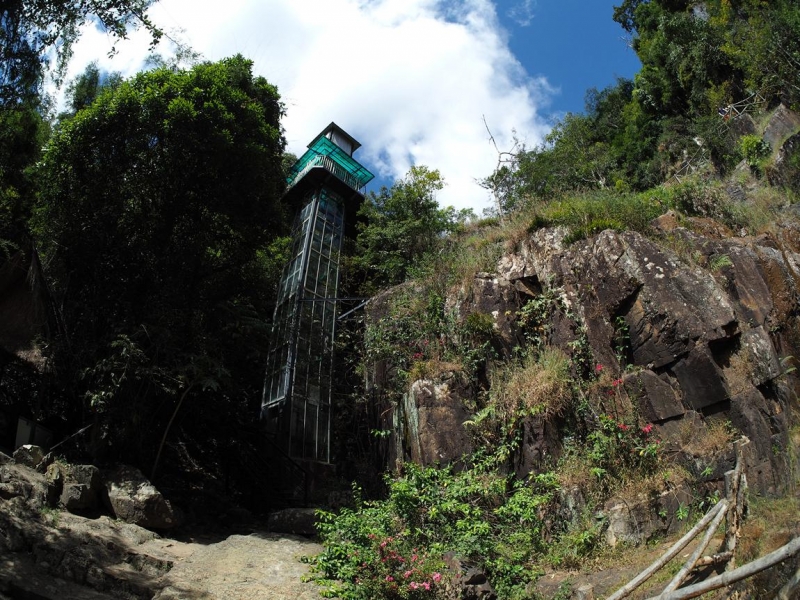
<point>67,557</point>
<point>259,566</point>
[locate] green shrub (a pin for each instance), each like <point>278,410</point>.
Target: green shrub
<point>754,150</point>
<point>394,548</point>
<point>619,451</point>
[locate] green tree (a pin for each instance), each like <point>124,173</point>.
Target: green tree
<point>400,225</point>
<point>582,151</point>
<point>158,206</point>
<point>86,87</point>
<point>22,134</point>
<point>762,41</point>
<point>30,29</point>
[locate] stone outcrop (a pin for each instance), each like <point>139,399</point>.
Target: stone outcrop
<point>783,135</point>
<point>636,521</point>
<point>782,124</point>
<point>433,412</point>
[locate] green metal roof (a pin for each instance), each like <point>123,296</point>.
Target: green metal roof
<point>339,163</point>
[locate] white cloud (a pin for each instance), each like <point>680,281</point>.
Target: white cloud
<point>412,80</point>
<point>522,12</point>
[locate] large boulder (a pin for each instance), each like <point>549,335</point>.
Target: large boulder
<point>299,521</point>
<point>132,498</point>
<point>81,487</point>
<point>28,455</point>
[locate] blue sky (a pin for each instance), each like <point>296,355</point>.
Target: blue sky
<point>575,44</point>
<point>412,80</point>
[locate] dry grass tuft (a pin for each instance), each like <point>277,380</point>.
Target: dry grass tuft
<point>711,440</point>
<point>432,369</point>
<point>540,386</point>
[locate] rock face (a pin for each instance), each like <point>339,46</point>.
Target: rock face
<point>133,499</point>
<point>705,333</point>
<point>433,412</point>
<point>696,326</point>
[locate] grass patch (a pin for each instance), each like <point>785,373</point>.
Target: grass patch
<point>540,385</point>
<point>771,523</point>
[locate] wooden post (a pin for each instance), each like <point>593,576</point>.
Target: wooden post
<point>682,574</point>
<point>735,487</point>
<point>670,554</point>
<point>731,577</point>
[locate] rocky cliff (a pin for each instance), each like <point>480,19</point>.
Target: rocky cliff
<point>696,324</point>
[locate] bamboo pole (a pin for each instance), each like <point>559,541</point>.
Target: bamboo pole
<point>731,577</point>
<point>670,554</point>
<point>684,572</point>
<point>735,486</point>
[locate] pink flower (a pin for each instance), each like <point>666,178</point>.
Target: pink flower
<point>598,368</point>
<point>413,558</point>
<point>408,573</point>
<point>426,585</point>
<point>413,585</point>
<point>647,428</point>
<point>623,427</point>
<point>389,578</point>
<point>437,577</point>
<point>616,382</point>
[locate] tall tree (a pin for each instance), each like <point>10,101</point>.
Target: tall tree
<point>158,204</point>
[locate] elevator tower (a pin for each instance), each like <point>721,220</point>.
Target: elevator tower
<point>326,187</point>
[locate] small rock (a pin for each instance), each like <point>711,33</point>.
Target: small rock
<point>470,582</point>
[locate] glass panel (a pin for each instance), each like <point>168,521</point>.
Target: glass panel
<point>300,359</point>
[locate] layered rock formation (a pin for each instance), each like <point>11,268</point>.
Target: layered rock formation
<point>699,327</point>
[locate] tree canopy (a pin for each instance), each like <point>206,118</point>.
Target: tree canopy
<point>697,59</point>
<point>158,204</point>
<point>30,29</point>
<point>401,224</point>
